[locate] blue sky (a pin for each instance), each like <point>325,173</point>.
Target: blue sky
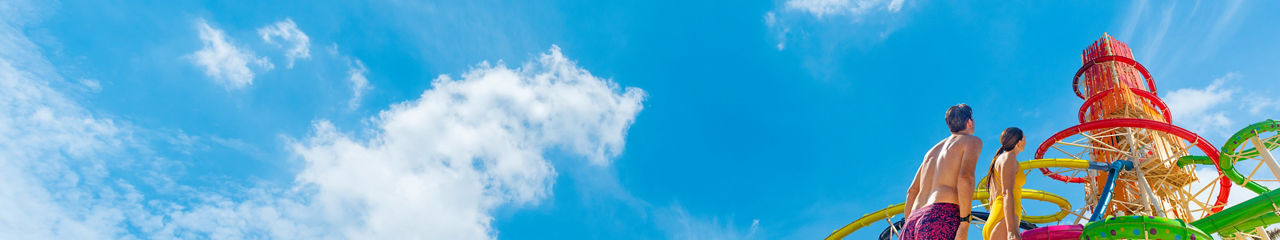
<point>554,119</point>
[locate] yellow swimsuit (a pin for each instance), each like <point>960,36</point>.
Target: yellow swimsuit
<point>997,205</point>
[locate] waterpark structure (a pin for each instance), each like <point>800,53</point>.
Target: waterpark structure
<point>1137,169</point>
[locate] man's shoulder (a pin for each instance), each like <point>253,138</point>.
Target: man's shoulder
<point>961,141</point>
<point>965,140</point>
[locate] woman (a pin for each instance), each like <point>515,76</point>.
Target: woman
<point>1004,181</point>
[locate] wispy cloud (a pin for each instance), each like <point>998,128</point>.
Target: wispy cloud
<point>896,5</point>
<point>64,171</point>
<point>223,61</point>
<point>802,15</point>
<point>1157,39</point>
<point>1258,104</point>
<point>50,174</point>
<point>286,30</point>
<point>781,31</point>
<point>1167,35</point>
<point>1136,9</point>
<point>359,83</point>
<point>90,85</point>
<point>822,32</point>
<point>1139,24</point>
<point>820,8</point>
<point>1225,22</point>
<point>679,224</point>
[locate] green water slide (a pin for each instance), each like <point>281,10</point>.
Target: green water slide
<point>1257,212</point>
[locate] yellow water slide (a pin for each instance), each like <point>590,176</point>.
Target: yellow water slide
<point>981,194</point>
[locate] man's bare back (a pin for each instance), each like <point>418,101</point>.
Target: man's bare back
<point>942,171</point>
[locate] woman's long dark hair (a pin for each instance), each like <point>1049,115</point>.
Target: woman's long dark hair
<point>1008,140</point>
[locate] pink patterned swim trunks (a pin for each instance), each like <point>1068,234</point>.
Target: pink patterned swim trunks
<point>936,221</point>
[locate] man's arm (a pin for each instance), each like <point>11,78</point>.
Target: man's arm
<point>1007,181</point>
<point>964,183</point>
<point>913,192</point>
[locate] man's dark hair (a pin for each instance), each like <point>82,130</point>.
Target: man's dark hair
<point>958,116</point>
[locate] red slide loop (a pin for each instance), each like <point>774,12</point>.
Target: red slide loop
<point>1224,189</point>
<point>1164,109</point>
<point>1075,83</point>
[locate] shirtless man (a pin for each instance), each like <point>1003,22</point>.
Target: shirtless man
<point>940,198</point>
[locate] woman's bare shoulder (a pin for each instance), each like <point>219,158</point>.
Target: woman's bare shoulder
<point>1007,159</point>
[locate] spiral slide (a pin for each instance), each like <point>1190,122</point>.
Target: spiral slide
<point>981,194</point>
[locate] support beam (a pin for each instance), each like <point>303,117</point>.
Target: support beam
<point>1149,197</point>
<point>1265,154</point>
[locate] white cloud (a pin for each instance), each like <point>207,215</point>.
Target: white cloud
<point>1195,110</point>
<point>440,164</point>
<point>820,8</point>
<point>359,84</point>
<point>223,61</point>
<point>288,31</point>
